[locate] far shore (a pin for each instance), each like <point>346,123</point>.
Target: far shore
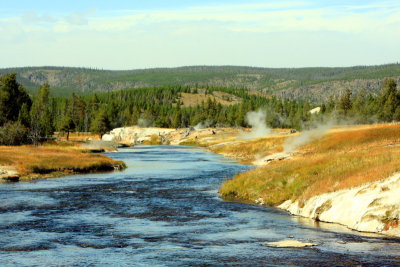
<point>55,159</point>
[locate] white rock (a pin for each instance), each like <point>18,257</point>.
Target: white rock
<point>289,244</point>
<point>362,208</point>
<point>134,134</point>
<point>315,110</point>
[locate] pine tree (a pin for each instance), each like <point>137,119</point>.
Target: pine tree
<point>12,97</point>
<point>41,124</point>
<point>389,100</point>
<point>345,103</point>
<point>23,116</point>
<point>67,125</point>
<point>101,123</point>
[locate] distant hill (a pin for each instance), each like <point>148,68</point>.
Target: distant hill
<point>315,84</point>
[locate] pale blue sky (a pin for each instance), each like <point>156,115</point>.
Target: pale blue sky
<point>154,33</point>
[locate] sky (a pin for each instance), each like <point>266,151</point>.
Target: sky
<point>123,34</point>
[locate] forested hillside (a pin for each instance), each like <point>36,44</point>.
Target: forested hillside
<point>314,84</point>
<point>27,118</point>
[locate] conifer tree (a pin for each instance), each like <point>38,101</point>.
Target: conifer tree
<point>345,103</point>
<point>101,123</point>
<point>12,97</point>
<point>389,100</point>
<point>41,124</point>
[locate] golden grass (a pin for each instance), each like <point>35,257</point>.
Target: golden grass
<point>247,151</point>
<point>77,136</point>
<point>154,140</point>
<point>341,159</point>
<point>31,161</point>
<point>192,100</point>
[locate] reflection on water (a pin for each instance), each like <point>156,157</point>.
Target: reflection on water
<point>164,211</point>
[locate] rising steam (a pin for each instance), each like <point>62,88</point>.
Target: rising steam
<point>142,122</point>
<point>202,125</point>
<point>306,137</point>
<point>256,119</point>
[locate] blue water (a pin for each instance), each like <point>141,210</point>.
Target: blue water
<point>164,210</point>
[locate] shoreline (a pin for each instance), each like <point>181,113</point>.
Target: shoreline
<point>29,163</point>
<point>371,207</point>
<point>379,210</point>
<point>314,207</point>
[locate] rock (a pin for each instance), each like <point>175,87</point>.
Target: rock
<point>259,201</point>
<point>9,174</point>
<point>373,207</point>
<point>268,159</point>
<point>187,132</point>
<point>315,110</point>
<point>100,146</point>
<point>289,244</point>
<point>135,134</point>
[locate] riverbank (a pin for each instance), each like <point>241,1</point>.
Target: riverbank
<point>297,170</point>
<point>25,163</point>
<point>347,175</point>
<point>165,210</point>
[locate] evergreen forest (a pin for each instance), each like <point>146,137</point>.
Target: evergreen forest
<point>26,118</point>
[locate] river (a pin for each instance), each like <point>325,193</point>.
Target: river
<point>164,210</point>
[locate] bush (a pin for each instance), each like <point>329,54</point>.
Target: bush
<point>13,133</point>
<point>154,140</point>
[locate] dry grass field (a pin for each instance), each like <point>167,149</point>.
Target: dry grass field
<point>54,160</point>
<point>342,158</point>
<point>76,136</point>
<point>192,100</point>
<point>246,151</point>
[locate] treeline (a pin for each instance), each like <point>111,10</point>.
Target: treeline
<point>27,119</point>
<point>366,108</point>
<point>162,107</point>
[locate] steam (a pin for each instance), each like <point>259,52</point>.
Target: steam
<point>307,136</point>
<point>143,122</point>
<point>202,125</point>
<point>256,119</point>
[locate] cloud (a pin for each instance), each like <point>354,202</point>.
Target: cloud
<point>31,17</point>
<point>275,34</point>
<point>262,18</point>
<point>79,18</point>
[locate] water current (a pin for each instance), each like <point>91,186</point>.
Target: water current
<point>164,210</point>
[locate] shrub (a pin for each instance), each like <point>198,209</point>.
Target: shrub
<point>154,140</point>
<point>13,133</point>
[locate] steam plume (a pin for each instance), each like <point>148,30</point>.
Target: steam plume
<point>142,122</point>
<point>307,136</point>
<point>256,119</point>
<point>202,125</point>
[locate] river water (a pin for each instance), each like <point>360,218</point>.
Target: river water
<point>164,210</point>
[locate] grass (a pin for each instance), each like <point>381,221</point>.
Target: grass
<point>247,151</point>
<point>54,160</point>
<point>190,143</point>
<point>76,136</point>
<point>154,140</point>
<point>339,160</point>
<point>191,100</point>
